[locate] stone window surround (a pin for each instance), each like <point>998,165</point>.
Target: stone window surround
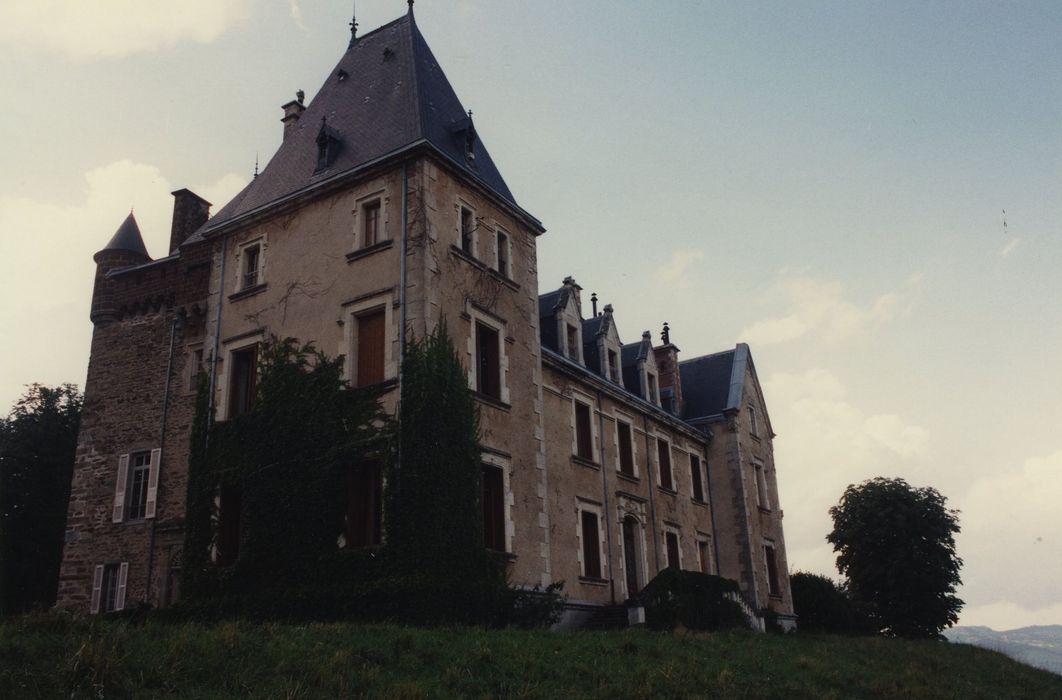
<point>498,233</point>
<point>504,463</point>
<point>117,569</point>
<point>383,233</point>
<point>763,493</point>
<point>701,468</point>
<point>460,204</point>
<point>620,417</point>
<point>477,315</point>
<point>223,381</point>
<point>595,439</point>
<point>384,299</point>
<point>671,447</point>
<point>581,506</point>
<point>666,528</point>
<point>260,241</point>
<point>705,539</point>
<point>643,559</point>
<point>120,508</point>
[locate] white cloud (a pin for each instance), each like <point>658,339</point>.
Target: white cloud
<point>676,271</point>
<point>115,28</point>
<point>1011,539</point>
<point>825,443</point>
<point>46,254</point>
<point>819,307</point>
<point>296,16</point>
<point>1009,248</point>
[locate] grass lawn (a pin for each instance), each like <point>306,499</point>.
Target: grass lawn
<point>57,656</point>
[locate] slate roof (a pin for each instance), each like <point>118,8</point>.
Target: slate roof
<point>548,305</point>
<point>714,383</point>
<point>128,238</point>
<point>386,93</point>
<point>630,354</point>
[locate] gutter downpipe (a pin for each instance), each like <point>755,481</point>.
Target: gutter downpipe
<point>604,495</point>
<point>217,337</point>
<point>709,437</point>
<point>652,501</point>
<point>748,523</point>
<point>402,308</point>
<point>162,451</point>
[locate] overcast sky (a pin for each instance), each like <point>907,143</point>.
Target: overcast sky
<point>826,182</point>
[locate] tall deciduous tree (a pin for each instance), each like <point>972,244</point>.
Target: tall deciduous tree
<point>37,444</point>
<point>896,546</point>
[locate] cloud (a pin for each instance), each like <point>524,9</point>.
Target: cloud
<point>1004,615</point>
<point>46,254</point>
<point>1009,247</point>
<point>825,443</point>
<point>820,307</point>
<point>296,16</point>
<point>115,28</point>
<point>1011,539</point>
<point>675,272</point>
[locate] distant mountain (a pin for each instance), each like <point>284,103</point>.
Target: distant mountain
<point>1039,645</point>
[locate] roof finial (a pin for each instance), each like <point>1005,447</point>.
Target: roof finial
<point>410,2</point>
<point>353,23</point>
<point>256,165</point>
<point>666,335</point>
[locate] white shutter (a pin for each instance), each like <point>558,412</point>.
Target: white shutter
<point>119,489</point>
<point>123,574</point>
<point>97,585</point>
<point>153,483</point>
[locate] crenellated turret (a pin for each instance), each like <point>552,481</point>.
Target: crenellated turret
<point>125,248</point>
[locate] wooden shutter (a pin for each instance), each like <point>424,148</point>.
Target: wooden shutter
<point>153,483</point>
<point>772,571</point>
<point>119,490</point>
<point>583,433</point>
<point>672,550</point>
<point>702,550</point>
<point>664,452</point>
<point>695,473</point>
<point>123,576</point>
<point>591,546</point>
<point>489,371</point>
<point>625,448</point>
<point>493,508</point>
<point>97,586</point>
<point>371,341</point>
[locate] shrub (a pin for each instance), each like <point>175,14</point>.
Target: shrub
<point>691,599</point>
<point>823,606</point>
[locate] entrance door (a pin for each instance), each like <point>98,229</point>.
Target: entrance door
<point>630,554</point>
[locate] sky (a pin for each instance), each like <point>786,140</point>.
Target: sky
<point>868,193</point>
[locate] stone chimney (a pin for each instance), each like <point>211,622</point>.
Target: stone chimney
<point>667,363</point>
<point>190,211</point>
<point>292,111</point>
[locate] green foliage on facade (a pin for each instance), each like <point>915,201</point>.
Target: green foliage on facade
<point>38,440</point>
<point>896,546</point>
<point>692,600</point>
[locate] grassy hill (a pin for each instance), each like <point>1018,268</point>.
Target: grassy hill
<point>52,656</point>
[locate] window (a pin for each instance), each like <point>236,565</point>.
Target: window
<point>650,380</point>
<point>584,436</point>
<point>195,367</point>
<point>762,499</point>
<point>139,471</point>
<point>468,227</point>
<point>493,508</point>
<point>370,223</point>
<point>591,544</point>
<point>363,521</point>
<point>704,554</point>
<point>772,569</point>
<point>631,535</point>
<point>695,474</point>
<point>754,427</point>
<point>136,486</point>
<point>488,367</point>
<point>503,253</point>
<point>674,554</point>
<point>573,341</point>
<point>613,366</point>
<point>250,266</point>
<point>663,451</point>
<point>108,588</point>
<point>227,540</point>
<point>626,448</point>
<point>243,380</point>
<point>372,339</point>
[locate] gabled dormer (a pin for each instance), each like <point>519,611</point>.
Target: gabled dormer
<point>561,321</point>
<point>602,347</point>
<point>641,375</point>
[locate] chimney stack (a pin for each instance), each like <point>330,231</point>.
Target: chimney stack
<point>667,363</point>
<point>190,211</point>
<point>292,111</point>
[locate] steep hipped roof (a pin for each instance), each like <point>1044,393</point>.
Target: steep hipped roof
<point>128,238</point>
<point>714,383</point>
<point>386,93</point>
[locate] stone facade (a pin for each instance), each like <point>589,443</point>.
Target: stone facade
<point>606,476</point>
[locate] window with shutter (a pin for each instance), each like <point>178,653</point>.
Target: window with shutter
<point>370,230</point>
<point>488,374</point>
<point>244,377</point>
<point>697,478</point>
<point>151,502</point>
<point>108,587</point>
<point>494,508</point>
<point>468,225</point>
<point>673,556</point>
<point>663,451</point>
<point>762,499</point>
<point>118,511</point>
<point>372,338</point>
<point>584,440</point>
<point>365,506</point>
<point>139,475</point>
<point>704,556</point>
<point>502,249</point>
<point>626,448</point>
<point>573,342</point>
<point>591,545</point>
<point>772,570</point>
<point>97,589</point>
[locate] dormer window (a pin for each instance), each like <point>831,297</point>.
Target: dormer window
<point>653,394</point>
<point>613,366</point>
<point>328,143</point>
<point>573,341</point>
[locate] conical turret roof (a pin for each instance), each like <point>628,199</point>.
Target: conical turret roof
<point>128,238</point>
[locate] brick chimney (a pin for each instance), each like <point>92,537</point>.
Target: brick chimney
<point>667,363</point>
<point>190,211</point>
<point>292,111</point>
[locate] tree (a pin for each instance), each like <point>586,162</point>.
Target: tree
<point>896,547</point>
<point>38,440</point>
<point>823,606</point>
